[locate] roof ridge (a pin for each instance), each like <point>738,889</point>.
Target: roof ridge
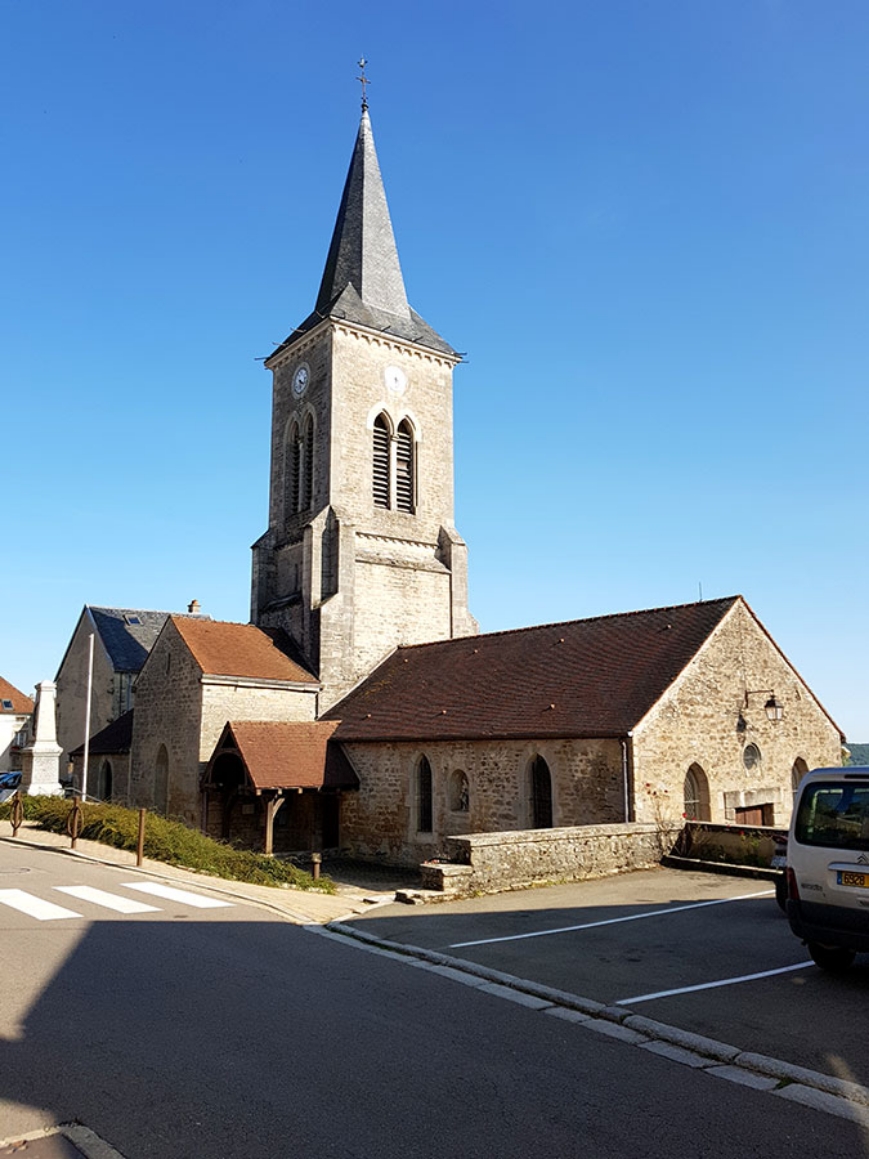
<point>565,623</point>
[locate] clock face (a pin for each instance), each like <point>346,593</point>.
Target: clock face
<point>301,379</point>
<point>396,380</point>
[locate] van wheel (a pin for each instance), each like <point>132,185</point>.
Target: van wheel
<point>832,958</point>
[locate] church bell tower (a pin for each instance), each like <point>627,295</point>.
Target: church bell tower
<point>361,552</point>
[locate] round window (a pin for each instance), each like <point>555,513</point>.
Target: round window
<point>751,756</point>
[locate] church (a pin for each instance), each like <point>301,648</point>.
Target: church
<point>360,710</point>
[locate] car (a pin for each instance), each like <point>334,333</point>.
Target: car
<point>828,865</point>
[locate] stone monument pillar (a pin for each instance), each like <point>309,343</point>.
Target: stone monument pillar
<point>40,760</point>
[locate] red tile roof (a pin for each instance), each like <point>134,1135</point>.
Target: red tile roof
<point>21,705</point>
<point>226,649</point>
<point>288,755</point>
<point>582,678</point>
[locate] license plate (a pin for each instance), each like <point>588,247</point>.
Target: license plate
<point>861,880</point>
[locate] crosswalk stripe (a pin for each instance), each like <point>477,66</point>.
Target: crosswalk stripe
<point>170,893</point>
<point>35,907</point>
<point>112,901</point>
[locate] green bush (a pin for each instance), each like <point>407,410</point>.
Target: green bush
<point>169,841</point>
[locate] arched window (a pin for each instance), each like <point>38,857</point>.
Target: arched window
<point>161,780</point>
<point>423,796</point>
<point>696,795</point>
<point>104,781</point>
<point>292,469</point>
<point>381,462</point>
<point>797,773</point>
<point>306,486</point>
<point>540,785</point>
<point>404,468</point>
<point>460,798</point>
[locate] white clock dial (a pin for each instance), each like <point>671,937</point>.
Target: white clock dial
<point>396,380</point>
<point>301,379</point>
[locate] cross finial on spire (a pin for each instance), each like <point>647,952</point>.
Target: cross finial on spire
<point>363,80</point>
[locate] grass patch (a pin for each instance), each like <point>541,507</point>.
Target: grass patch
<point>169,841</point>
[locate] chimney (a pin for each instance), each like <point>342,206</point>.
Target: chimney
<point>193,607</point>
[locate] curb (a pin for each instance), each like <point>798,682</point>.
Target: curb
<point>651,1031</point>
<point>90,1145</point>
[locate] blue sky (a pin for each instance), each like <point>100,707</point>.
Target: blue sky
<point>646,223</point>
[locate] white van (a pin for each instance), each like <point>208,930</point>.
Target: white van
<point>828,865</point>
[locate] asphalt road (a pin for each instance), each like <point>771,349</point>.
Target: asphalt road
<point>712,955</point>
<point>182,1033</point>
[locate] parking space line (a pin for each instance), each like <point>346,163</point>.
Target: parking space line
<point>712,985</point>
<point>613,921</point>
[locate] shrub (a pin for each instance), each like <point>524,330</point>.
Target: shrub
<point>170,841</point>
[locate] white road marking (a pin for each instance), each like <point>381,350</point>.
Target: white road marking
<point>170,893</point>
<point>712,985</point>
<point>613,921</point>
<point>113,901</point>
<point>35,907</point>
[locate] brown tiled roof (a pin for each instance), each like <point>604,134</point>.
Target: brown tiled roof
<point>114,738</point>
<point>21,705</point>
<point>225,649</point>
<point>289,755</point>
<point>582,678</point>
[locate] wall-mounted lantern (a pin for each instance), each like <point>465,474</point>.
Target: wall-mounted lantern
<point>773,708</point>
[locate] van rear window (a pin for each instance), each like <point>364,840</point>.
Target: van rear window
<point>834,816</point>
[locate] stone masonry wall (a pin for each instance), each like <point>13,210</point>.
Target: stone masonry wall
<point>703,720</point>
<point>489,862</point>
<point>72,691</point>
<point>380,821</point>
<point>168,712</point>
<point>178,707</point>
<point>398,604</point>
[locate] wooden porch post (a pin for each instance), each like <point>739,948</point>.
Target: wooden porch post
<point>272,804</point>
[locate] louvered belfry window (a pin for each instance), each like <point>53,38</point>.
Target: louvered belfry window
<point>307,483</point>
<point>404,481</point>
<point>381,462</point>
<point>292,466</point>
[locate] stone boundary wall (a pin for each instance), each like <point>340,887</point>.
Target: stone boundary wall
<point>732,844</point>
<point>490,862</point>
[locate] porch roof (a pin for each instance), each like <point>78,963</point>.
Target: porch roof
<point>287,754</point>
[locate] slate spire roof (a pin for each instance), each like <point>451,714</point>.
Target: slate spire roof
<point>362,281</point>
<point>363,252</point>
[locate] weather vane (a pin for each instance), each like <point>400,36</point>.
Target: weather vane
<point>363,80</point>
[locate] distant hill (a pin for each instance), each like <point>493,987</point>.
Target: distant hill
<point>859,754</point>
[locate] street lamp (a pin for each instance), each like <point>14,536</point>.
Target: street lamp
<point>773,708</point>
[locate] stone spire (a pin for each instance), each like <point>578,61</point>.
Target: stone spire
<point>363,252</point>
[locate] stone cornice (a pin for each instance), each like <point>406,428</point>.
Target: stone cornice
<point>389,342</point>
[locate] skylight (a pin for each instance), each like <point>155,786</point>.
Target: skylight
<point>7,705</point>
<point>132,619</point>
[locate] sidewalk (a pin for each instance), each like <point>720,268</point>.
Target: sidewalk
<point>296,905</point>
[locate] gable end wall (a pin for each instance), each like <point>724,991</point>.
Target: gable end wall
<point>696,722</point>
